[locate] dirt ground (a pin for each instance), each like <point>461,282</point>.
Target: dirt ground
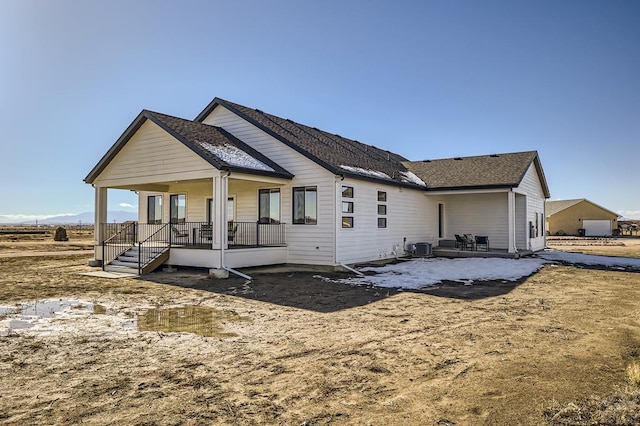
<point>294,348</point>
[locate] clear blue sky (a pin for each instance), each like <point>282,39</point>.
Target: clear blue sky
<point>426,79</point>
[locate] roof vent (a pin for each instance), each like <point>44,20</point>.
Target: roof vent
<point>289,120</point>
<point>257,110</point>
<point>315,128</point>
<point>426,161</point>
<point>494,155</point>
<point>458,158</point>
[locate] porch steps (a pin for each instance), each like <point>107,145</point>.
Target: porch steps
<point>128,261</point>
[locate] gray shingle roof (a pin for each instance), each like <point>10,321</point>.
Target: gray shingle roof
<point>553,207</point>
<point>329,150</point>
<point>484,171</point>
<point>337,154</point>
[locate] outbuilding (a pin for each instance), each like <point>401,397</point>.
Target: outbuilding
<point>579,217</point>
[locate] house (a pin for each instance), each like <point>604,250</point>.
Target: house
<point>579,217</point>
<point>238,187</point>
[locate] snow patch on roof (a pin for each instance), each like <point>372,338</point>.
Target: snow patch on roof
<point>411,177</point>
<point>234,156</point>
<point>366,172</point>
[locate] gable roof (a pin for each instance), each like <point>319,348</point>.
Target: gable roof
<point>337,154</point>
<point>213,144</point>
<point>478,172</point>
<point>553,207</point>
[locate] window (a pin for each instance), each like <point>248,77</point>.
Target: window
<point>231,209</point>
<point>210,210</point>
<point>440,220</point>
<point>347,207</point>
<point>154,209</point>
<point>269,206</point>
<point>347,222</point>
<point>382,209</point>
<point>178,205</point>
<point>305,206</point>
<point>347,191</point>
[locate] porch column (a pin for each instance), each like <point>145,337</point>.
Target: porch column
<point>511,205</point>
<point>100,217</point>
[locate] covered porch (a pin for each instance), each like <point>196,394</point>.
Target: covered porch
<point>225,221</point>
<point>483,223</point>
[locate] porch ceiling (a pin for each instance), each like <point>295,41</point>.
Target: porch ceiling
<point>168,186</point>
<point>161,186</point>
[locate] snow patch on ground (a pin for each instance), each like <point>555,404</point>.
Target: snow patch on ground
<point>591,260</point>
<point>418,273</point>
<point>234,156</point>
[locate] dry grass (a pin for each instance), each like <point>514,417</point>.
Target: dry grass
<point>633,371</point>
<point>321,353</point>
<point>620,408</point>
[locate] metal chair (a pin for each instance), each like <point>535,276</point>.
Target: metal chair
<point>482,241</point>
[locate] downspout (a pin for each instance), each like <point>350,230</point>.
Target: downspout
<point>335,221</point>
<point>224,226</point>
<point>349,268</point>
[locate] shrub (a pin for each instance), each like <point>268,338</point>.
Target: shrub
<point>61,234</point>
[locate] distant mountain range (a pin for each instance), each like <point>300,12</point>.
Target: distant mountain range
<point>86,218</point>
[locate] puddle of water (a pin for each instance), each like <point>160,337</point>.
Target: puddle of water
<point>199,320</point>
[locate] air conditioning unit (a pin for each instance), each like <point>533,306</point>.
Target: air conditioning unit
<point>422,249</point>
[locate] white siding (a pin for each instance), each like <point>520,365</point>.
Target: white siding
<point>478,214</point>
<point>196,194</point>
<point>308,244</point>
<point>150,156</point>
<point>532,188</point>
<point>410,214</point>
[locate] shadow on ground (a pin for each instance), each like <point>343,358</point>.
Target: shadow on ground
<point>477,290</point>
<point>319,292</point>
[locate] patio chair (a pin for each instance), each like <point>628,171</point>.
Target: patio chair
<point>206,232</point>
<point>462,242</point>
<point>231,231</point>
<point>482,241</point>
<point>178,234</point>
<point>471,241</point>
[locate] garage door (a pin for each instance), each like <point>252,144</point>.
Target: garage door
<point>596,228</point>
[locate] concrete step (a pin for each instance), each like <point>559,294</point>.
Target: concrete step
<point>155,250</point>
<point>128,259</point>
<point>117,262</point>
<point>122,269</point>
